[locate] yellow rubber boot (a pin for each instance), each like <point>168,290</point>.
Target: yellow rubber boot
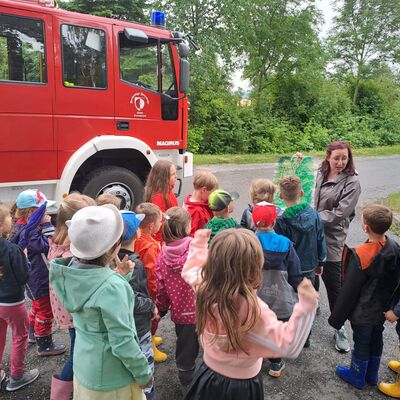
<point>391,389</point>
<point>159,356</point>
<point>157,340</point>
<point>394,365</point>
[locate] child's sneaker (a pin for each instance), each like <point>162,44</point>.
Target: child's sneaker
<point>27,378</point>
<point>276,369</point>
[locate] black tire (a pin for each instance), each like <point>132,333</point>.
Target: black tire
<point>118,181</point>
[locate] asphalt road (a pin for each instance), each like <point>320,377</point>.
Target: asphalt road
<point>312,375</point>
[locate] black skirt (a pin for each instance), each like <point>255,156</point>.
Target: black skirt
<point>209,385</point>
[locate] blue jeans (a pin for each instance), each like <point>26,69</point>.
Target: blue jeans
<point>145,345</point>
<point>67,373</point>
<point>368,341</point>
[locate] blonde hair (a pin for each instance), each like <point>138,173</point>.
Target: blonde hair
<point>378,217</point>
<point>108,198</point>
<point>68,207</point>
<point>175,224</point>
<point>24,213</point>
<point>205,179</point>
<point>262,190</point>
<point>290,187</point>
<point>4,212</point>
<point>158,181</point>
<point>232,272</point>
<point>151,211</point>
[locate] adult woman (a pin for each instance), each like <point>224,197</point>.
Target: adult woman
<point>336,195</point>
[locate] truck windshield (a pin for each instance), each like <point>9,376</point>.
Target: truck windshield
<point>139,64</point>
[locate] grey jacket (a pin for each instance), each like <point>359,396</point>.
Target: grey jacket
<point>336,202</point>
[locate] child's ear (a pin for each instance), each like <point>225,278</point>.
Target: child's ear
<point>301,193</point>
<point>280,196</point>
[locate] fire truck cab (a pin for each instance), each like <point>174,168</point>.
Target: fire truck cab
<point>88,103</point>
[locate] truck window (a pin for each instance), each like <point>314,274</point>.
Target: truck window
<point>138,62</point>
<point>84,57</point>
<point>22,49</point>
<point>168,73</point>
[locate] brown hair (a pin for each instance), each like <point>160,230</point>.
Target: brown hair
<point>151,211</point>
<point>262,190</point>
<point>205,179</point>
<point>68,207</point>
<point>377,217</point>
<point>158,181</point>
<point>338,145</point>
<point>4,211</point>
<point>233,271</point>
<point>175,224</point>
<point>290,187</point>
<point>104,259</point>
<point>108,198</point>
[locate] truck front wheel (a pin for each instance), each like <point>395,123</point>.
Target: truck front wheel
<point>119,181</point>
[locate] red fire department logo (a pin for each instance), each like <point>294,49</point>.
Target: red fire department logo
<point>139,101</point>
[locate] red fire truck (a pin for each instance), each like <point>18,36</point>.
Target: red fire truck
<point>88,103</point>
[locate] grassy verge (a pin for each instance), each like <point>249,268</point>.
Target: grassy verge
<point>393,201</point>
<point>268,158</point>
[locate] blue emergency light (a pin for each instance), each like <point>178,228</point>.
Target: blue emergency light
<point>158,19</point>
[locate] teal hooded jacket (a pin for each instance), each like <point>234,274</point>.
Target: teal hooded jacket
<point>107,354</point>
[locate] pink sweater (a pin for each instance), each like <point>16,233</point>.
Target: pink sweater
<point>172,290</point>
<point>269,338</point>
<point>61,315</point>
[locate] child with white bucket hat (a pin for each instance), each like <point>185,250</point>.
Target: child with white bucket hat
<point>108,362</point>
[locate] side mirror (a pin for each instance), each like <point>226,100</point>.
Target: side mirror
<point>184,76</point>
<point>183,50</point>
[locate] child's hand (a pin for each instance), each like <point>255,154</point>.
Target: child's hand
<point>125,266</point>
<point>319,270</point>
<point>390,316</point>
<point>155,315</point>
<point>148,384</point>
<point>46,219</point>
<point>203,234</point>
<point>307,291</point>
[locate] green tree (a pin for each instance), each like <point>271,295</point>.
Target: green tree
<point>131,10</point>
<point>364,31</point>
<point>275,37</point>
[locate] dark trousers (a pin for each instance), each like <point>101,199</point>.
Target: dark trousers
<point>67,373</point>
<point>368,341</point>
<point>332,277</point>
<point>187,349</point>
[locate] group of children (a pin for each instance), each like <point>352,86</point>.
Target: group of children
<point>244,290</point>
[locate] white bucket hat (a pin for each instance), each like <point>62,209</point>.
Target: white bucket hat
<point>94,230</point>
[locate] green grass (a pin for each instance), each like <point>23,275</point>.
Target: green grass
<point>270,158</point>
<point>393,201</point>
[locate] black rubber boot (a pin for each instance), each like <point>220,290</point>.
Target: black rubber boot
<point>46,346</point>
<point>31,337</point>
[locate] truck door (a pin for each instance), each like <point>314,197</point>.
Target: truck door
<point>27,151</point>
<point>84,106</point>
<point>145,89</point>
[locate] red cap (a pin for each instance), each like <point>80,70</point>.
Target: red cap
<point>264,214</point>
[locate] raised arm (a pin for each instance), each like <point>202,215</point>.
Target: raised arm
<point>274,338</point>
<point>191,272</point>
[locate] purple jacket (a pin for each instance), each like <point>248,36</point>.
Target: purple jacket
<point>38,247</point>
<point>172,290</point>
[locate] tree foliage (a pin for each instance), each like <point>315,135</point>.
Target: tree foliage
<point>304,92</point>
<point>365,31</point>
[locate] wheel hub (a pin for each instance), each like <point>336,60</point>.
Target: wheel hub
<point>121,191</point>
